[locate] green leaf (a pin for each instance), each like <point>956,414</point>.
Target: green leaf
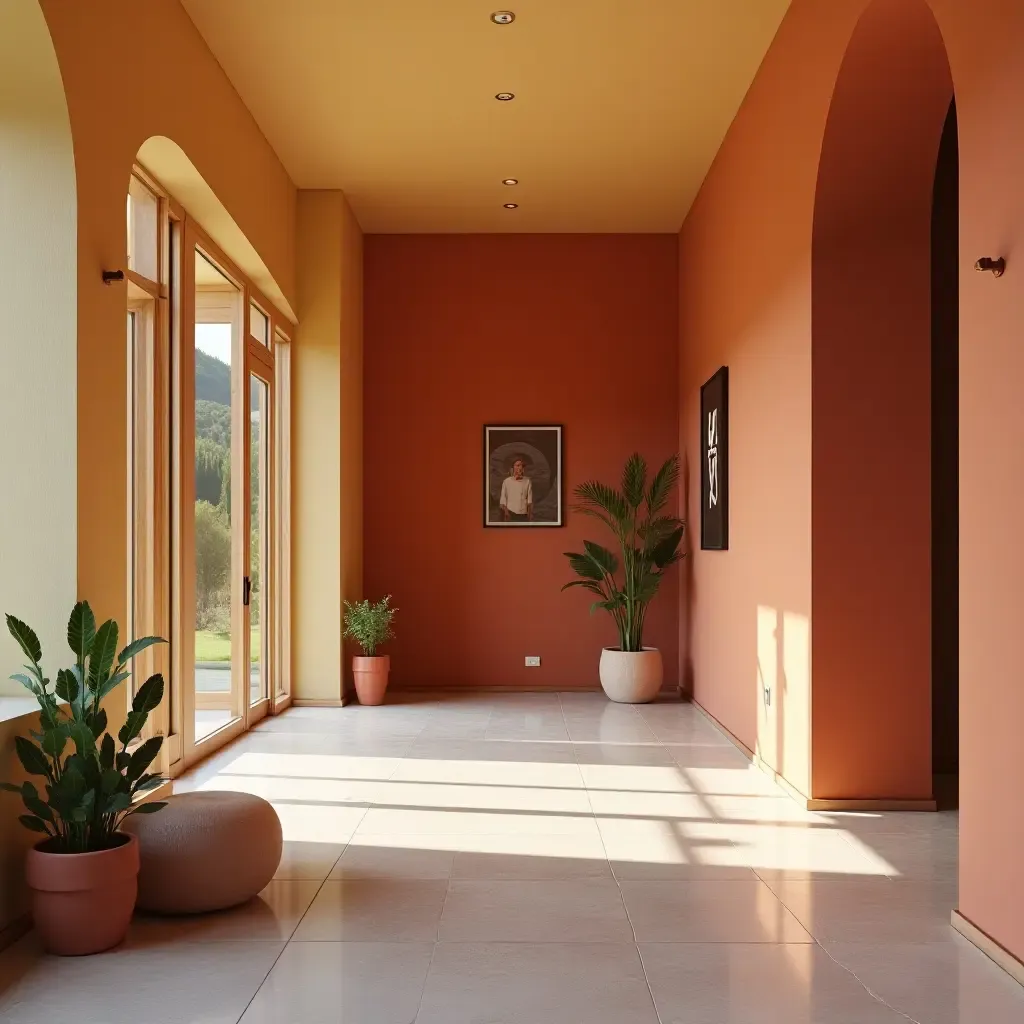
<point>122,759</point>
<point>587,585</point>
<point>150,807</point>
<point>137,647</point>
<point>661,486</point>
<point>27,682</point>
<point>54,741</point>
<point>107,753</point>
<point>32,758</point>
<point>101,653</point>
<point>110,781</point>
<point>27,640</point>
<point>149,695</point>
<point>601,557</point>
<point>634,480</point>
<point>148,781</point>
<point>118,802</point>
<point>98,724</point>
<point>85,742</point>
<point>112,683</point>
<point>10,787</point>
<point>67,686</point>
<point>143,757</point>
<point>595,497</point>
<point>667,551</point>
<point>81,630</point>
<point>133,725</point>
<point>33,802</point>
<point>584,566</point>
<point>34,824</point>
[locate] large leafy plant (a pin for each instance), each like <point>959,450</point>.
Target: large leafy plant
<point>91,782</point>
<point>369,624</point>
<point>648,540</point>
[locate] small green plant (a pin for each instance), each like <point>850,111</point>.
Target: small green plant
<point>90,784</point>
<point>369,624</point>
<point>649,543</point>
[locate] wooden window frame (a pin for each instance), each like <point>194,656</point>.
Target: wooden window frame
<point>163,602</point>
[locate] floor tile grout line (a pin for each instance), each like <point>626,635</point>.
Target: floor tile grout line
<point>625,909</point>
<point>853,974</point>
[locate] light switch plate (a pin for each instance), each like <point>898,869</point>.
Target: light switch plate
<point>533,661</point>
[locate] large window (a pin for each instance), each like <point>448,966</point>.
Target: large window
<point>207,421</point>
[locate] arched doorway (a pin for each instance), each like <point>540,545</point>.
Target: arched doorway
<point>872,414</point>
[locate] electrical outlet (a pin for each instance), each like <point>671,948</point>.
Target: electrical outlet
<point>767,697</point>
<point>533,661</point>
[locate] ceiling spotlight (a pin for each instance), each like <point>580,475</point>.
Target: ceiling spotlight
<point>504,96</point>
<point>510,181</point>
<point>503,17</point>
<point>511,206</point>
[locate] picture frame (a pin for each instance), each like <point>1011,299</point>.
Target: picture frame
<point>714,462</point>
<point>523,476</point>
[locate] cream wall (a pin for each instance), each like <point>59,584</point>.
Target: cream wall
<point>37,339</point>
<point>326,442</point>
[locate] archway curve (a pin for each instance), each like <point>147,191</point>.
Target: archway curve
<point>871,409</point>
<point>38,334</point>
<point>169,163</point>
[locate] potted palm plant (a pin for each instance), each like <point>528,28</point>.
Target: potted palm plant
<point>83,874</point>
<point>648,541</point>
<point>370,626</point>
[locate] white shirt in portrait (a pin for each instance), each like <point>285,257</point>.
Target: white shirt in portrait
<point>517,495</point>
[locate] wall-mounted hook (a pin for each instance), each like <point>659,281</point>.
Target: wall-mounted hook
<point>110,276</point>
<point>996,266</point>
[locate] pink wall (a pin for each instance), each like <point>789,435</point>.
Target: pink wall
<point>466,330</point>
<point>746,300</point>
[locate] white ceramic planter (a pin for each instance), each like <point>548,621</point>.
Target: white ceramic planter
<point>631,677</point>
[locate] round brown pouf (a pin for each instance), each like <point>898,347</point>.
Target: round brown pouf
<point>207,850</point>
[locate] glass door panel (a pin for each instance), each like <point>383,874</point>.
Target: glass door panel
<point>220,658</point>
<point>259,538</point>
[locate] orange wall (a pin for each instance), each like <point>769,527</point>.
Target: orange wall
<point>467,330</point>
<point>746,300</point>
<point>132,71</point>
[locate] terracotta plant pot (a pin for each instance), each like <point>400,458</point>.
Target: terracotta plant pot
<point>83,902</point>
<point>631,677</point>
<point>371,676</point>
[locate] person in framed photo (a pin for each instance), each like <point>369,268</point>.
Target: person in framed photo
<point>517,495</point>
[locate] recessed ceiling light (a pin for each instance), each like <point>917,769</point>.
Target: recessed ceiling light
<point>503,17</point>
<point>510,181</point>
<point>504,96</point>
<point>511,206</point>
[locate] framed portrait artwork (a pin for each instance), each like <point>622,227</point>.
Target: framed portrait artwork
<point>522,476</point>
<point>714,462</point>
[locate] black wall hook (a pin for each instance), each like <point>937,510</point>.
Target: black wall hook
<point>996,266</point>
<point>112,275</point>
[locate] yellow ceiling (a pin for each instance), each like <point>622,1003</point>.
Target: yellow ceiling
<point>620,105</point>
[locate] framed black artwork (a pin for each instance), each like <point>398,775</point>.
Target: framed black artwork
<point>522,476</point>
<point>714,462</point>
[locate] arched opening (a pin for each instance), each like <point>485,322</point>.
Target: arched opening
<point>880,432</point>
<point>38,335</point>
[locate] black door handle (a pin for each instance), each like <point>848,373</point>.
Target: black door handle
<point>246,590</point>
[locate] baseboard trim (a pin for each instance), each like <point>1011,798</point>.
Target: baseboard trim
<point>733,739</point>
<point>311,702</point>
<point>998,954</point>
<point>897,804</point>
<point>17,929</point>
<point>811,804</point>
<point>497,689</point>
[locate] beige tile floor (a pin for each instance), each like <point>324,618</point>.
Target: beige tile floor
<point>541,859</point>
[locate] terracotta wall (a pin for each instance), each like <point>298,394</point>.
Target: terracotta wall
<point>746,300</point>
<point>467,330</point>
